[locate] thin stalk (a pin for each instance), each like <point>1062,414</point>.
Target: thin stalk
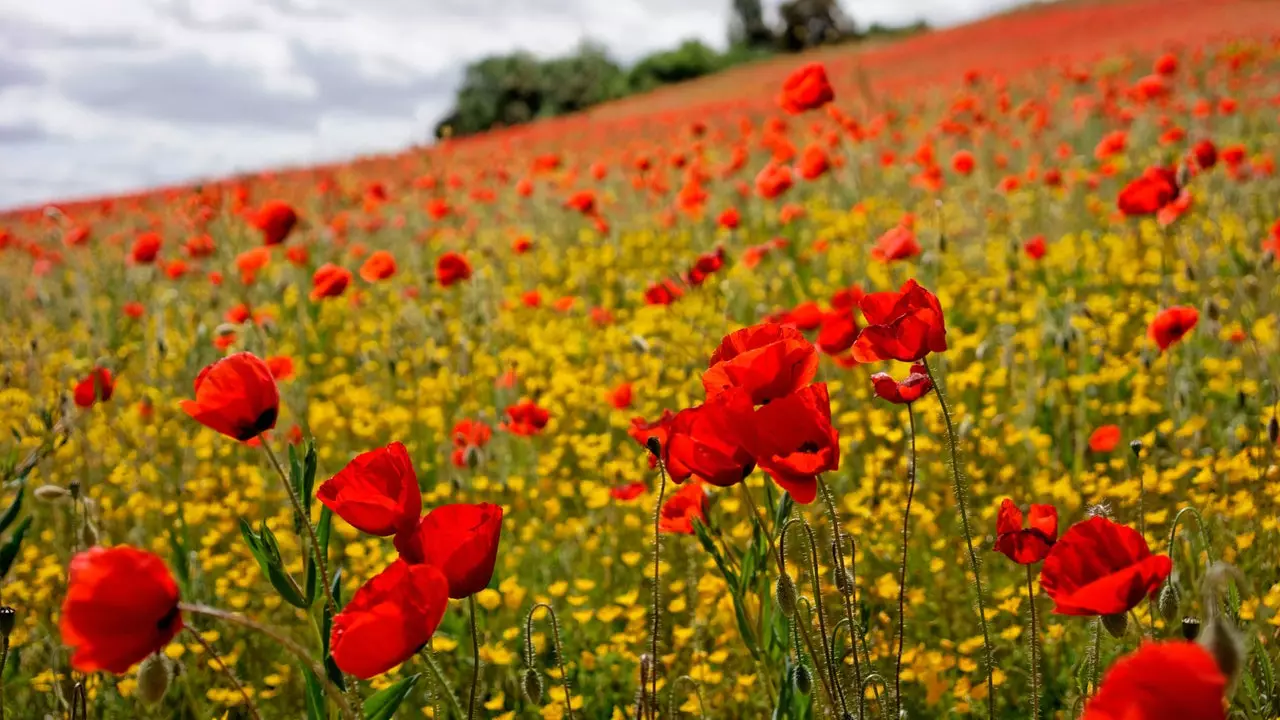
<point>959,489</point>
<point>443,684</point>
<point>657,569</point>
<point>1095,658</point>
<point>321,562</point>
<point>846,593</point>
<point>294,648</point>
<point>1035,649</point>
<point>1142,529</point>
<point>222,667</point>
<point>755,515</point>
<point>4,660</point>
<point>555,634</point>
<point>475,656</point>
<point>902,578</point>
<point>813,653</point>
<point>819,606</point>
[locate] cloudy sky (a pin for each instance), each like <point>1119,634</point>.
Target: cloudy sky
<point>110,95</point>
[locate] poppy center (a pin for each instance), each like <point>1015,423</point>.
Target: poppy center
<point>166,622</point>
<point>809,447</point>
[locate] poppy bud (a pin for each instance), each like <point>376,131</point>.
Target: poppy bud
<point>639,344</point>
<point>842,581</point>
<point>51,493</point>
<point>1116,624</point>
<point>1190,628</point>
<point>654,445</point>
<point>1136,447</point>
<point>153,679</point>
<point>8,618</point>
<point>1268,257</point>
<point>1273,430</point>
<point>1211,309</point>
<point>1184,174</point>
<point>786,595</point>
<point>1168,602</point>
<point>1224,642</point>
<point>533,686</point>
<point>802,679</point>
<point>74,488</point>
<point>88,535</point>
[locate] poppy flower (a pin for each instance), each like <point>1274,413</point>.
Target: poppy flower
<point>838,332</point>
<point>628,491</point>
<point>805,316</point>
<point>730,219</point>
<point>663,293</point>
<point>773,180</point>
<point>1157,187</point>
<point>275,220</point>
<point>121,606</point>
<point>905,325</point>
<point>793,440</point>
<point>807,88</point>
<point>1101,568</point>
<point>461,540</point>
<point>1104,439</point>
<point>376,493</point>
<point>329,281</point>
<point>705,266</point>
<point>1161,680</point>
<point>134,309</point>
<point>814,162</point>
<point>525,418</point>
<point>236,396</point>
<point>452,268</point>
<point>471,433</point>
<point>1205,154</point>
<point>389,619</point>
<point>583,201</point>
<point>380,266</point>
<point>1035,247</point>
<point>97,386</point>
<point>916,385</point>
<point>620,397</point>
<point>1031,544</point>
<point>1171,324</point>
<point>899,243</point>
<point>767,360</point>
<point>962,162</point>
<point>1166,64</point>
<point>709,441</point>
<point>145,248</point>
<point>685,505</point>
<point>642,431</point>
<point>281,367</point>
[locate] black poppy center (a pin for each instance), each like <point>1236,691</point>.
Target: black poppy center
<point>166,622</point>
<point>809,447</point>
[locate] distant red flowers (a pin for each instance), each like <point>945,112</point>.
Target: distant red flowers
<point>379,266</point>
<point>1101,568</point>
<point>526,418</point>
<point>376,493</point>
<point>1171,324</point>
<point>146,247</point>
<point>121,606</point>
<point>97,386</point>
<point>389,619</point>
<point>329,281</point>
<point>275,220</point>
<point>1156,188</point>
<point>898,243</point>
<point>469,436</point>
<point>805,89</point>
<point>236,396</point>
<point>1161,680</point>
<point>1104,439</point>
<point>1026,545</point>
<point>452,268</point>
<point>905,325</point>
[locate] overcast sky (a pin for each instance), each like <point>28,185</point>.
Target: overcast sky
<point>110,95</point>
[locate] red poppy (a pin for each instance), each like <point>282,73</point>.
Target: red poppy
<point>1170,213</point>
<point>838,332</point>
<point>97,386</point>
<point>281,367</point>
<point>389,619</point>
<point>687,504</point>
<point>1031,544</point>
<point>521,245</point>
<point>620,397</point>
<point>709,441</point>
<point>705,265</point>
<point>584,201</point>
<point>1171,324</point>
<point>814,162</point>
<point>767,361</point>
<point>236,396</point>
<point>275,220</point>
<point>471,433</point>
<point>376,493</point>
<point>730,219</point>
<point>916,385</point>
<point>962,162</point>
<point>1166,64</point>
<point>628,491</point>
<point>905,325</point>
<point>380,266</point>
<point>806,89</point>
<point>1101,568</point>
<point>329,281</point>
<point>134,309</point>
<point>1158,681</point>
<point>805,316</point>
<point>452,268</point>
<point>461,540</point>
<point>793,440</point>
<point>526,418</point>
<point>773,180</point>
<point>121,606</point>
<point>145,248</point>
<point>663,293</point>
<point>1035,247</point>
<point>642,431</point>
<point>1157,187</point>
<point>899,243</point>
<point>1104,439</point>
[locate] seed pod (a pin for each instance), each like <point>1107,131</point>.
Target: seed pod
<point>1136,447</point>
<point>785,592</point>
<point>8,618</point>
<point>1169,600</point>
<point>1116,624</point>
<point>51,493</point>
<point>802,679</point>
<point>533,686</point>
<point>1190,628</point>
<point>153,679</point>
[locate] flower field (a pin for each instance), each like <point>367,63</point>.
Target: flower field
<point>931,380</point>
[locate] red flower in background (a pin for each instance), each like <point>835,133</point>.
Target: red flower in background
<point>1171,324</point>
<point>134,309</point>
<point>730,219</point>
<point>906,325</point>
<point>768,361</point>
<point>329,281</point>
<point>805,89</point>
<point>97,386</point>
<point>468,436</point>
<point>773,180</point>
<point>628,491</point>
<point>620,397</point>
<point>380,266</point>
<point>461,540</point>
<point>814,162</point>
<point>584,201</point>
<point>452,268</point>
<point>663,293</point>
<point>376,493</point>
<point>275,220</point>
<point>1159,681</point>
<point>389,619</point>
<point>1104,439</point>
<point>962,162</point>
<point>793,440</point>
<point>236,396</point>
<point>898,243</point>
<point>708,441</point>
<point>1026,545</point>
<point>805,316</point>
<point>838,332</point>
<point>1205,154</point>
<point>687,504</point>
<point>525,418</point>
<point>145,248</point>
<point>281,367</point>
<point>121,606</point>
<point>1101,568</point>
<point>916,385</point>
<point>1035,247</point>
<point>1157,187</point>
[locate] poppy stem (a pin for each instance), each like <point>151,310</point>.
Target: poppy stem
<point>755,515</point>
<point>475,656</point>
<point>555,634</point>
<point>1095,657</point>
<point>297,650</point>
<point>902,578</point>
<point>814,578</point>
<point>321,562</point>
<point>818,663</point>
<point>847,592</point>
<point>656,609</point>
<point>440,681</point>
<point>222,667</point>
<point>1035,649</point>
<point>959,490</point>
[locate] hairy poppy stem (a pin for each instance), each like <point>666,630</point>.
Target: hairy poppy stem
<point>555,634</point>
<point>222,666</point>
<point>1095,658</point>
<point>297,650</point>
<point>755,515</point>
<point>475,656</point>
<point>959,489</point>
<point>848,591</point>
<point>814,578</point>
<point>813,653</point>
<point>656,609</point>
<point>443,684</point>
<point>1035,649</point>
<point>321,562</point>
<point>902,577</point>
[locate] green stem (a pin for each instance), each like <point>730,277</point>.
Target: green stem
<point>443,684</point>
<point>656,608</point>
<point>959,489</point>
<point>222,666</point>
<point>475,656</point>
<point>902,578</point>
<point>321,562</point>
<point>848,591</point>
<point>1035,650</point>
<point>1095,657</point>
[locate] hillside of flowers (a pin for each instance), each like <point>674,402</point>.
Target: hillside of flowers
<point>929,380</point>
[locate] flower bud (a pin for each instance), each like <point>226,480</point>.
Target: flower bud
<point>785,592</point>
<point>533,686</point>
<point>51,493</point>
<point>802,679</point>
<point>1116,624</point>
<point>8,618</point>
<point>153,678</point>
<point>1190,628</point>
<point>654,445</point>
<point>1169,601</point>
<point>1273,430</point>
<point>88,535</point>
<point>1136,447</point>
<point>842,581</point>
<point>1225,643</point>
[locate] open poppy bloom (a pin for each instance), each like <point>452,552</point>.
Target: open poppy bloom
<point>376,493</point>
<point>1099,567</point>
<point>97,386</point>
<point>916,385</point>
<point>275,220</point>
<point>1157,187</point>
<point>1104,439</point>
<point>526,418</point>
<point>380,266</point>
<point>898,243</point>
<point>767,361</point>
<point>236,396</point>
<point>793,440</point>
<point>452,268</point>
<point>329,281</point>
<point>281,367</point>
<point>708,441</point>
<point>1171,324</point>
<point>806,89</point>
<point>906,325</point>
<point>687,504</point>
<point>146,247</point>
<point>838,331</point>
<point>628,491</point>
<point>1026,545</point>
<point>1158,681</point>
<point>121,606</point>
<point>461,540</point>
<point>620,397</point>
<point>389,619</point>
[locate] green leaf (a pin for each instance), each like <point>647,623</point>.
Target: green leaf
<point>326,628</point>
<point>383,704</point>
<point>14,508</point>
<point>9,550</point>
<point>311,583</point>
<point>295,479</point>
<point>783,512</point>
<point>181,563</point>
<point>710,546</point>
<point>266,551</point>
<point>315,696</point>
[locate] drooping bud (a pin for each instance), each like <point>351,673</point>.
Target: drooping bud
<point>8,618</point>
<point>785,592</point>
<point>841,579</point>
<point>533,686</point>
<point>1190,628</point>
<point>1136,447</point>
<point>1225,643</point>
<point>1116,624</point>
<point>1169,600</point>
<point>153,678</point>
<point>51,493</point>
<point>802,679</point>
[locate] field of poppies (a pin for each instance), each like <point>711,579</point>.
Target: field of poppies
<point>929,380</point>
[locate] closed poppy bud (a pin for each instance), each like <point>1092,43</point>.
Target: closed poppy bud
<point>1190,628</point>
<point>1273,430</point>
<point>236,396</point>
<point>153,678</point>
<point>1168,602</point>
<point>389,619</point>
<point>1116,624</point>
<point>8,618</point>
<point>461,540</point>
<point>802,678</point>
<point>533,686</point>
<point>376,493</point>
<point>1136,448</point>
<point>785,593</point>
